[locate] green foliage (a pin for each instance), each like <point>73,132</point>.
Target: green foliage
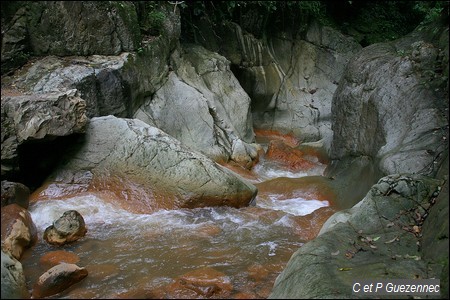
<point>368,21</point>
<point>382,21</point>
<point>256,17</point>
<point>127,13</point>
<point>9,8</point>
<point>431,11</point>
<point>156,19</point>
<point>152,18</point>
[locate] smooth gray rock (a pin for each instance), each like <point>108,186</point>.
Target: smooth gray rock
<point>387,108</point>
<point>13,280</point>
<point>379,238</point>
<point>203,105</point>
<point>145,153</point>
<point>111,66</point>
<point>291,81</point>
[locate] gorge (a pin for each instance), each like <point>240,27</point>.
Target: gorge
<point>210,160</point>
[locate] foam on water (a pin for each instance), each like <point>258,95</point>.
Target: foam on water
<point>268,172</point>
<point>93,209</point>
<point>99,215</point>
<point>272,247</point>
<point>294,206</point>
<point>273,173</point>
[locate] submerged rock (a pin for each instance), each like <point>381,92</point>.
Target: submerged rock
<point>57,279</point>
<point>200,283</point>
<point>54,258</point>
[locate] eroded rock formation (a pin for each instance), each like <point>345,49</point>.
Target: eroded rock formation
<point>173,175</point>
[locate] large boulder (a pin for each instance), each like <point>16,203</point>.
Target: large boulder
<point>380,237</point>
<point>391,105</point>
<point>309,71</point>
<point>41,117</point>
<point>290,80</point>
<point>390,111</point>
<point>105,28</point>
<point>435,232</point>
<point>96,78</point>
<point>147,159</point>
<point>15,192</point>
<point>18,230</point>
<point>13,280</point>
<point>202,98</point>
<point>112,75</point>
<point>390,114</point>
<point>56,28</point>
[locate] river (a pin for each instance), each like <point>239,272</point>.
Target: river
<point>219,252</point>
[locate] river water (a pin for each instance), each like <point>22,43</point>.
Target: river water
<point>217,252</point>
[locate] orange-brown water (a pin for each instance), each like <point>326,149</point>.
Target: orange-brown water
<point>218,252</point>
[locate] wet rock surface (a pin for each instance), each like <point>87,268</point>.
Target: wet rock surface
<point>15,192</point>
<point>18,230</point>
<point>173,176</point>
<point>69,228</point>
<point>380,237</point>
<point>57,279</point>
<point>13,280</point>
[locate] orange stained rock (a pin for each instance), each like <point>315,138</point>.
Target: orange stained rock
<point>269,134</point>
<point>57,191</point>
<point>53,258</point>
<point>264,215</point>
<point>245,295</point>
<point>208,230</point>
<point>244,172</point>
<point>288,156</point>
<point>18,230</point>
<point>129,194</point>
<point>124,191</point>
<point>257,272</point>
<point>264,291</point>
<point>57,279</point>
<point>308,188</point>
<point>308,227</point>
<point>200,283</point>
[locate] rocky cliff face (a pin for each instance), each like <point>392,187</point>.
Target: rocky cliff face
<point>202,98</point>
<point>291,81</point>
<point>378,111</point>
<point>391,110</point>
<point>70,28</point>
<point>138,85</point>
<point>384,107</point>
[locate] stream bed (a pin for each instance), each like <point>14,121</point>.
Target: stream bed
<point>219,252</point>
